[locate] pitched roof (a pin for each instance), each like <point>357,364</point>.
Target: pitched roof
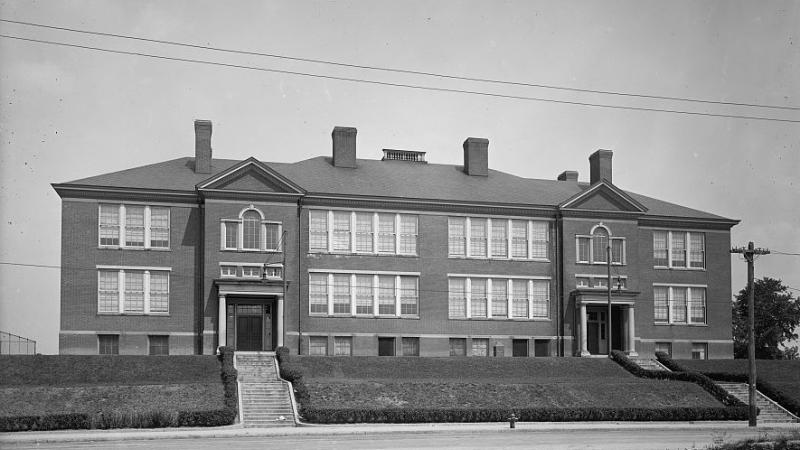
<point>396,179</point>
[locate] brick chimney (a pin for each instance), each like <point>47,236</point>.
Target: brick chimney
<point>344,147</point>
<point>568,175</point>
<point>476,156</point>
<point>600,166</point>
<point>202,146</point>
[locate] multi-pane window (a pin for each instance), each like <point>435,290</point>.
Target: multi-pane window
<point>251,230</point>
<point>458,347</point>
<point>538,240</point>
<point>594,249</point>
<point>108,344</point>
<point>231,235</point>
<point>664,347</point>
<point>600,281</point>
<point>457,307</point>
<point>318,345</point>
<point>342,346</point>
<point>500,298</point>
<point>499,238</point>
<point>474,237</point>
<point>540,299</point>
<point>272,236</point>
<point>480,347</point>
<point>478,297</point>
<point>679,249</point>
<point>457,236</point>
<point>679,304</point>
<point>159,345</point>
<point>132,291</point>
<point>251,233</point>
<point>699,350</point>
<point>318,293</point>
<point>134,226</point>
<point>227,271</point>
<point>341,294</point>
<point>519,301</point>
<point>477,237</point>
<point>363,294</point>
<point>251,271</point>
<point>410,346</point>
<point>519,239</point>
<point>362,232</point>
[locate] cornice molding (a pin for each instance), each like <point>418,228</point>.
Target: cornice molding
<point>367,202</point>
<point>269,172</point>
<point>687,222</point>
<point>126,193</point>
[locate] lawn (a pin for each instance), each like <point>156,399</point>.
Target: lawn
<point>375,382</point>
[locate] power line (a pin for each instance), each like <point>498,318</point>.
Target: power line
<point>395,70</point>
<point>402,85</point>
<point>785,253</point>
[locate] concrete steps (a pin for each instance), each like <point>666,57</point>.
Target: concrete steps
<point>650,364</point>
<point>264,398</point>
<point>768,410</point>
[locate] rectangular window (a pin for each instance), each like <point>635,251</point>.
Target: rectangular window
<point>458,347</point>
<point>410,346</point>
<point>273,237</point>
<point>408,235</point>
<point>678,310</point>
<point>617,251</point>
<point>251,231</point>
<point>385,346</point>
<point>108,291</point>
<point>159,227</point>
<point>159,292</point>
<point>583,244</point>
<point>661,303</point>
<point>134,292</point>
<point>601,282</point>
<point>499,298</point>
<point>499,239</point>
<point>582,282</point>
<point>699,350</point>
<point>678,249</point>
<point>318,231</point>
<point>457,236</point>
<point>520,299</point>
<point>318,345</point>
<point>541,299</point>
<point>341,231</point>
<point>364,294</point>
<point>409,296</point>
<point>478,297</point>
<point>386,295</point>
<point>159,345</point>
<point>599,250</point>
<point>273,272</point>
<point>364,233</point>
<point>457,305</point>
<point>697,305</point>
<point>519,239</point>
<point>109,225</point>
<point>477,238</point>
<point>231,235</point>
<point>480,347</point>
<point>318,293</point>
<point>108,344</point>
<point>539,239</point>
<point>697,250</point>
<point>660,249</point>
<point>664,347</point>
<point>251,272</point>
<point>342,346</point>
<point>227,271</point>
<point>341,294</point>
<point>134,226</point>
<point>386,233</point>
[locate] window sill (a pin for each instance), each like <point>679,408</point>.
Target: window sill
<point>502,319</point>
<point>688,269</point>
<point>245,250</point>
<point>363,316</point>
<point>485,258</point>
<point>599,263</point>
<point>401,255</point>
<point>138,249</point>
<point>662,324</point>
<point>134,314</point>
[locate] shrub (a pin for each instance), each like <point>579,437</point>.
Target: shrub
<point>703,381</point>
<point>292,373</point>
<point>73,421</point>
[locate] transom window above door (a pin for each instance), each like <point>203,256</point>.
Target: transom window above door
<point>251,232</point>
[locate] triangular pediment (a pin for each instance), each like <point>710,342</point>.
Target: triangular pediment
<point>250,175</point>
<point>604,196</point>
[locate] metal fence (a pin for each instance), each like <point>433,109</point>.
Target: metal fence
<point>11,344</point>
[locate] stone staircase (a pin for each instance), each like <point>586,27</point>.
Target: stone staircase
<point>649,364</point>
<point>768,410</point>
<point>263,398</point>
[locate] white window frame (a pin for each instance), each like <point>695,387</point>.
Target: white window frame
<point>687,252</point>
<point>398,294</point>
<point>590,238</point>
<point>374,232</point>
<point>239,271</point>
<point>121,273</point>
<point>262,246</point>
<point>122,228</point>
<point>508,223</point>
<point>670,300</point>
<point>509,300</point>
<point>223,270</point>
<point>592,277</point>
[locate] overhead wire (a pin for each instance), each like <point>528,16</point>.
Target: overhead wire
<point>401,85</point>
<point>395,70</point>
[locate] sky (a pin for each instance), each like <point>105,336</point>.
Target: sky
<point>69,113</point>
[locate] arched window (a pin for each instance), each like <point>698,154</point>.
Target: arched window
<point>251,221</point>
<point>599,244</point>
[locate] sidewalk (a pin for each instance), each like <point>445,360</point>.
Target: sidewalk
<point>357,429</point>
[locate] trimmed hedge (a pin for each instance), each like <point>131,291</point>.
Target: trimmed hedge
<point>418,415</point>
<point>293,374</point>
<point>145,419</point>
<point>765,387</point>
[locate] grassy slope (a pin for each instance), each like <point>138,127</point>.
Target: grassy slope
<point>784,375</point>
<point>33,385</point>
<point>487,382</point>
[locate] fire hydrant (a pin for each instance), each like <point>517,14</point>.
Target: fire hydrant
<point>512,420</point>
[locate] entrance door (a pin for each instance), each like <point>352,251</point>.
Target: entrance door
<point>249,333</point>
<point>596,340</point>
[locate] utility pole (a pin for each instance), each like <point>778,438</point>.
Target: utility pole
<point>749,255</point>
<point>608,285</point>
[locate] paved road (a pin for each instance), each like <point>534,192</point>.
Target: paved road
<point>518,439</point>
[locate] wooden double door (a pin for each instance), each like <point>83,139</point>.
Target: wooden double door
<point>250,326</point>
